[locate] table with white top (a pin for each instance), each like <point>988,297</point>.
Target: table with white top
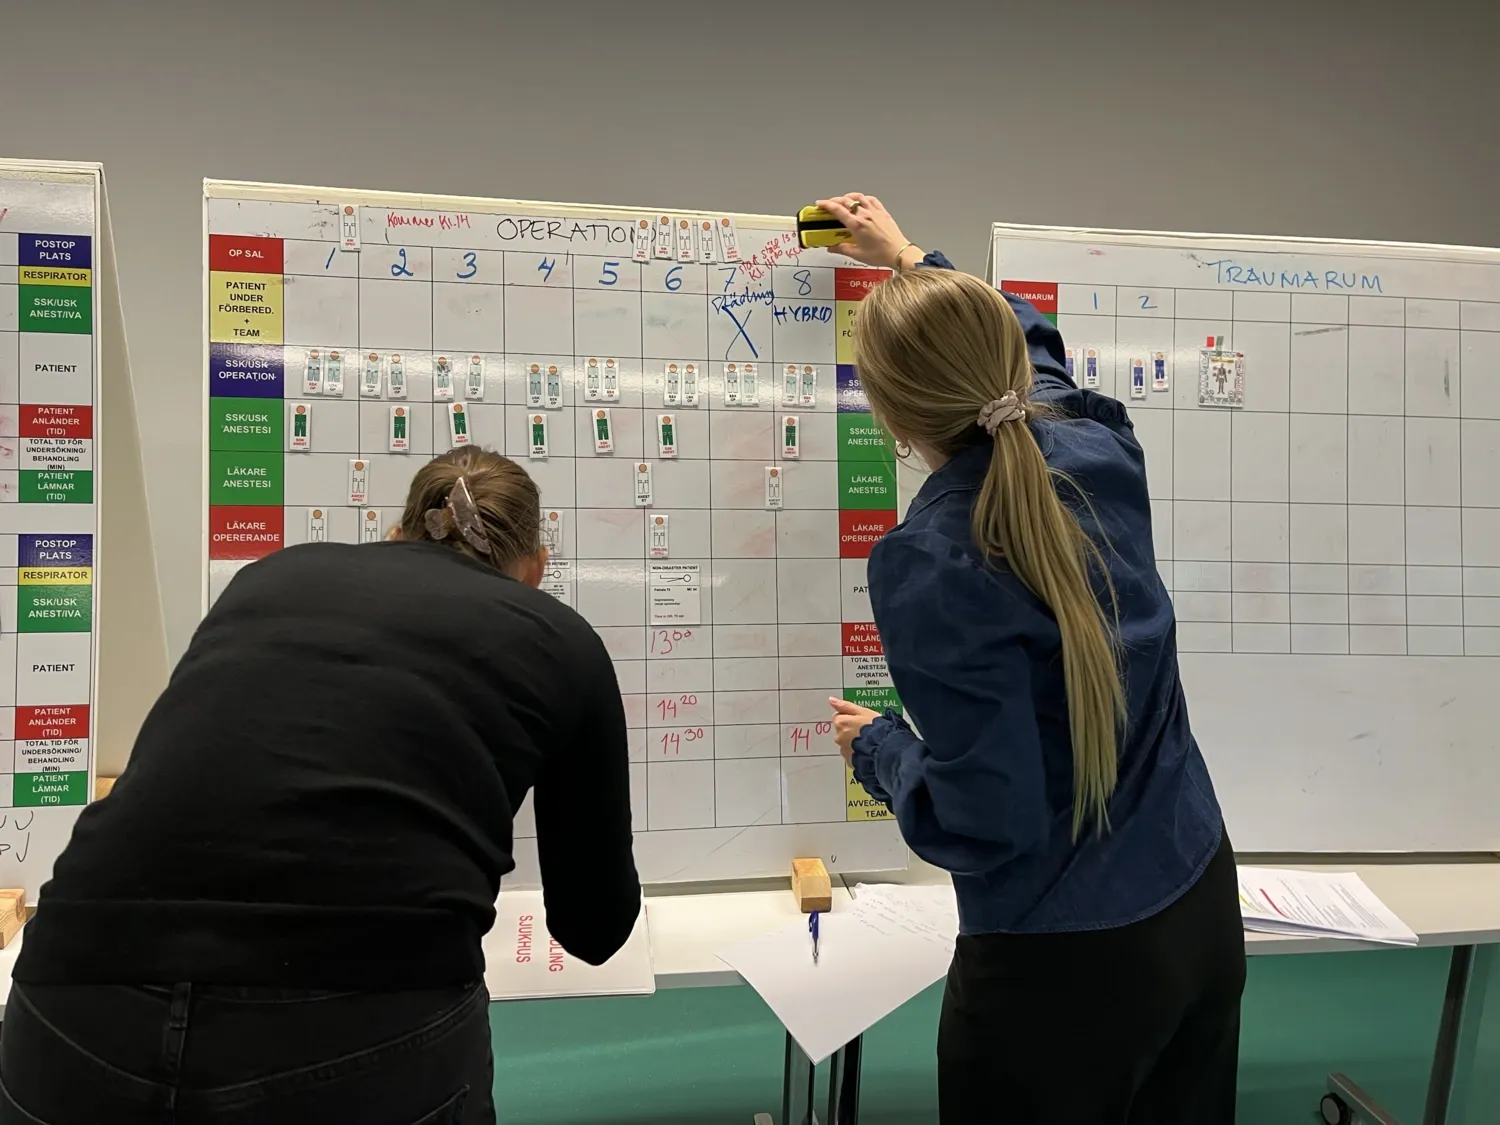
<point>1449,905</point>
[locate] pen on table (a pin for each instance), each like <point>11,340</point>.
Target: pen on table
<point>812,928</point>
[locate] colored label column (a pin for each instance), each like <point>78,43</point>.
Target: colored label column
<point>867,510</point>
<point>56,360</point>
<point>246,386</point>
<point>54,669</point>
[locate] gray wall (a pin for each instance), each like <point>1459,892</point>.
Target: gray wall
<point>1337,118</point>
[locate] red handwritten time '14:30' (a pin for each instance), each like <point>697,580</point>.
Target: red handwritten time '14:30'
<point>671,742</point>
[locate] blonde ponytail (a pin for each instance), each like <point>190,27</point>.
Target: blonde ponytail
<point>1018,517</point>
<point>934,348</point>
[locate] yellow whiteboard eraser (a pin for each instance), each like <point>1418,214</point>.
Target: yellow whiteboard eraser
<point>816,227</point>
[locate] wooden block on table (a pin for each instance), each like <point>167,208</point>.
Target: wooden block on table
<point>811,885</point>
<point>12,915</point>
<point>102,786</point>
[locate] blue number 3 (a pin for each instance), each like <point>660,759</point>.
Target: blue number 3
<point>472,261</point>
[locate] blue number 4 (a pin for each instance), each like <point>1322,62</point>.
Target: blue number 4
<point>545,268</point>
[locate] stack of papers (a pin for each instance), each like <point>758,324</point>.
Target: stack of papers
<point>522,961</point>
<point>1317,904</point>
<point>873,956</point>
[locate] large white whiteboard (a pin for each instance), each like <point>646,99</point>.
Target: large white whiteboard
<point>733,768</point>
<point>1333,545</point>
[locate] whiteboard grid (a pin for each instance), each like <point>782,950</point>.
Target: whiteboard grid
<point>733,768</point>
<point>1332,548</point>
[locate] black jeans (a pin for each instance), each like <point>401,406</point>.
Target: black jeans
<point>1132,1026</point>
<point>185,1054</point>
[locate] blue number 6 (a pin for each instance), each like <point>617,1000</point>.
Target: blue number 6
<point>674,281</point>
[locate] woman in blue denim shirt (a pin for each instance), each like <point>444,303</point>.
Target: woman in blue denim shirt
<point>1100,962</point>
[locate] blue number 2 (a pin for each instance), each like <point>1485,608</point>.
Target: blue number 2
<point>1146,301</point>
<point>398,269</point>
<point>472,261</point>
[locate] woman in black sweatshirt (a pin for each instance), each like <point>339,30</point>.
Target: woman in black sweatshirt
<point>276,914</point>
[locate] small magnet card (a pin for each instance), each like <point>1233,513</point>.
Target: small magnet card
<point>1158,371</point>
<point>442,379</point>
<point>731,384</point>
<point>535,395</point>
<point>611,381</point>
<point>708,246</point>
<point>333,375</point>
<point>552,531</point>
<point>349,227</point>
<point>370,527</point>
<point>474,387</point>
<point>729,241</point>
<point>359,477</point>
<point>369,380</point>
<point>395,383</point>
<point>1068,363</point>
<point>658,526</point>
<point>791,384</point>
<point>313,384</point>
<point>538,426</point>
<point>687,247</point>
<point>593,381</point>
<point>690,384</point>
<point>1221,376</point>
<point>642,484</point>
<point>604,435</point>
<point>664,238</point>
<point>301,438</point>
<point>458,424</point>
<point>791,443</point>
<point>749,385</point>
<point>809,385</point>
<point>773,487</point>
<point>642,250</point>
<point>1137,378</point>
<point>400,439</point>
<point>317,525</point>
<point>666,436</point>
<point>1091,367</point>
<point>671,385</point>
<point>554,387</point>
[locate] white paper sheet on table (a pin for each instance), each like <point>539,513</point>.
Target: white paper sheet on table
<point>1317,903</point>
<point>875,955</point>
<point>522,962</point>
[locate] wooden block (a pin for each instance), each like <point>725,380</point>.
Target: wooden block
<point>14,899</point>
<point>102,786</point>
<point>811,885</point>
<point>12,915</point>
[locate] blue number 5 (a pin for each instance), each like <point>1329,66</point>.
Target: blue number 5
<point>609,271</point>
<point>472,261</point>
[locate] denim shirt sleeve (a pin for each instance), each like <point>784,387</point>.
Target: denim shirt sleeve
<point>1043,340</point>
<point>969,794</point>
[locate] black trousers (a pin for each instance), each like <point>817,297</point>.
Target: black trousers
<point>1133,1026</point>
<point>185,1054</point>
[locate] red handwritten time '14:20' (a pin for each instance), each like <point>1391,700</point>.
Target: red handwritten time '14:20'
<point>671,741</point>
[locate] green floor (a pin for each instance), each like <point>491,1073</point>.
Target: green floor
<point>713,1055</point>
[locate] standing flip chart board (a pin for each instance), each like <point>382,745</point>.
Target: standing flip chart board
<point>1321,423</point>
<point>680,386</point>
<point>67,636</point>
